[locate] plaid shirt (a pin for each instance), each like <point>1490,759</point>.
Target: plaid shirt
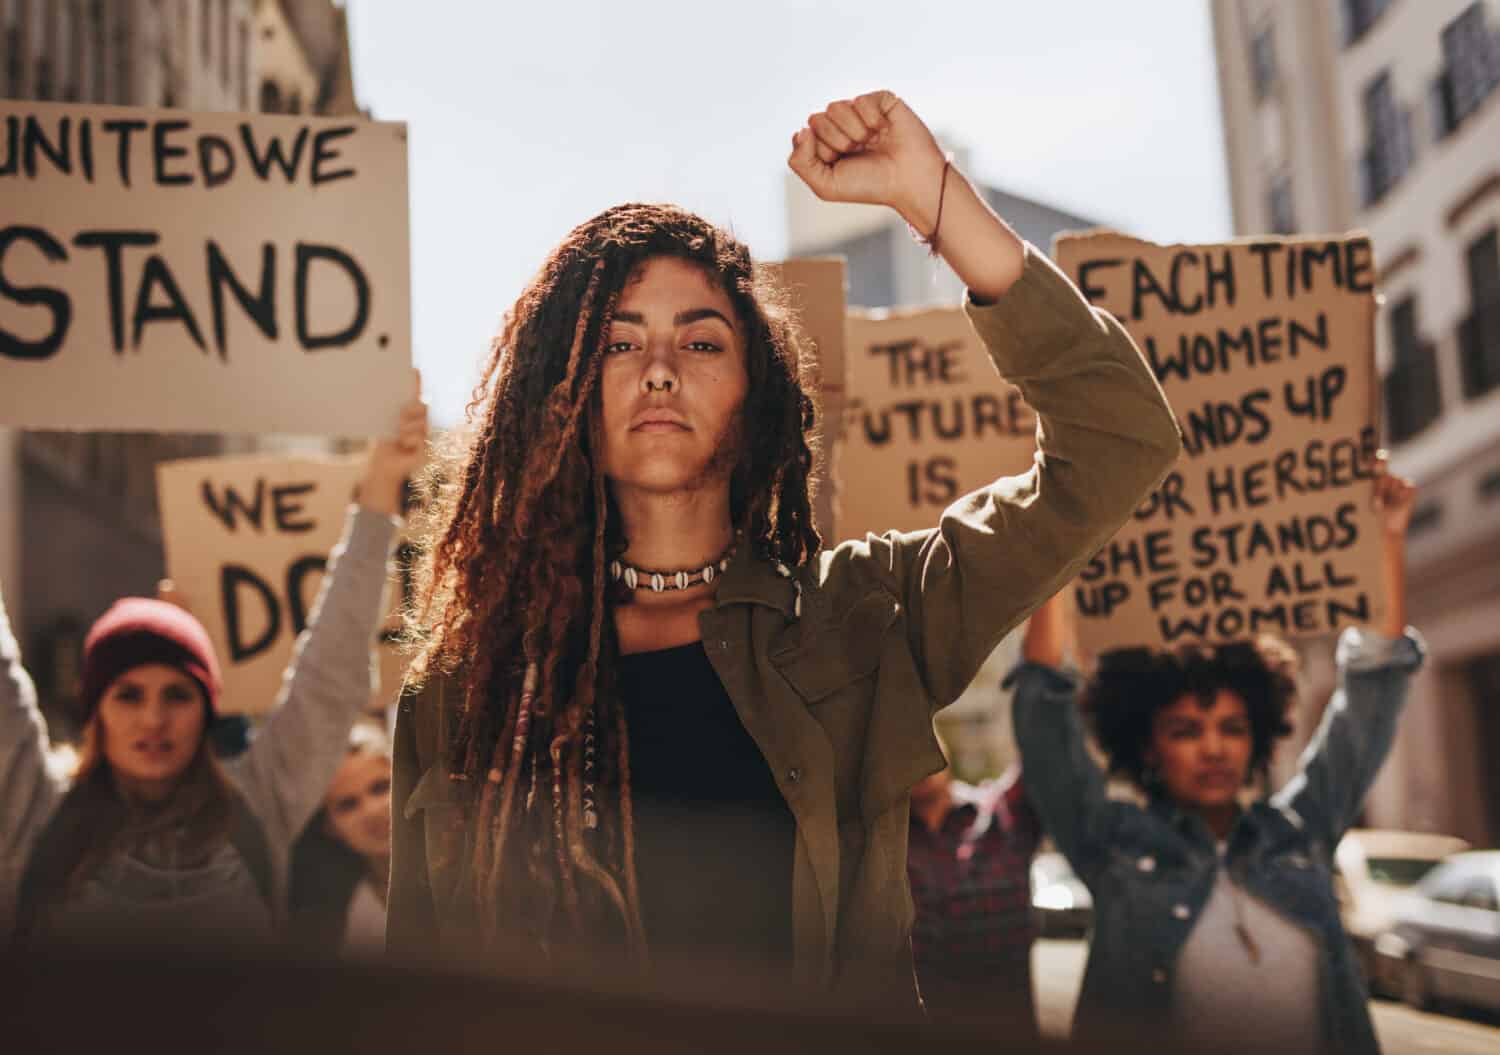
<point>971,882</point>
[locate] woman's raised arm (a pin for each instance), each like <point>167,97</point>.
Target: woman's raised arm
<point>1344,757</point>
<point>1066,787</point>
<point>874,150</point>
<point>29,788</point>
<point>328,685</point>
<point>1105,433</point>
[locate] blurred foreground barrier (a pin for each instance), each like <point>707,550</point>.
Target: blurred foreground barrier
<point>165,1001</point>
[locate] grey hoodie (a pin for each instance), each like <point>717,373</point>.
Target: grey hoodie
<point>282,776</point>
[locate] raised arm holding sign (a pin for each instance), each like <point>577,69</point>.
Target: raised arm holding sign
<point>247,542</point>
<point>1194,727</point>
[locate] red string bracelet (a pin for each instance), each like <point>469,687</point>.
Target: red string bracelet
<point>932,241</point>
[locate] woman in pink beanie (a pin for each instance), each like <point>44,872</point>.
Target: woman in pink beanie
<point>153,839</point>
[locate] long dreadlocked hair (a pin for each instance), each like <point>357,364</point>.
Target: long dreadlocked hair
<point>513,599</point>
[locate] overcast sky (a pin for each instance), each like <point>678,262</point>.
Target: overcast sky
<point>528,118</point>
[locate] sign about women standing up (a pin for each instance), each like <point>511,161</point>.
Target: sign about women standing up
<point>927,418</point>
<point>215,272</point>
<point>247,542</point>
<point>1265,350</point>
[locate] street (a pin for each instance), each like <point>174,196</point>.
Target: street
<point>1058,969</point>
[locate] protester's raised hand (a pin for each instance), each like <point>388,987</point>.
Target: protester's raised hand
<point>166,590</point>
<point>1393,500</point>
<point>871,149</point>
<point>1047,632</point>
<point>393,460</point>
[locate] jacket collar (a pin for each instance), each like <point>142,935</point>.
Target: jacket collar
<point>752,579</point>
<point>1189,825</point>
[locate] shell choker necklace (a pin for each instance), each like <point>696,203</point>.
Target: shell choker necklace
<point>682,579</point>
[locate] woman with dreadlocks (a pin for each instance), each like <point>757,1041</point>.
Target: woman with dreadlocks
<point>648,713</point>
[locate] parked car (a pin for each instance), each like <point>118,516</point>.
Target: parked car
<point>1061,903</point>
<point>1372,869</point>
<point>1445,942</point>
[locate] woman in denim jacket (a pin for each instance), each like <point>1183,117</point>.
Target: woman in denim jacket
<point>1216,924</point>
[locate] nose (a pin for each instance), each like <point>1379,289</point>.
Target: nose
<point>1213,745</point>
<point>660,374</point>
<point>154,714</point>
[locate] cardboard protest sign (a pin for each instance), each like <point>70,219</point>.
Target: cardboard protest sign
<point>212,272</point>
<point>1265,349</point>
<point>247,542</point>
<point>816,287</point>
<point>927,418</point>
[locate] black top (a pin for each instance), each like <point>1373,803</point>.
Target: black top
<point>714,837</point>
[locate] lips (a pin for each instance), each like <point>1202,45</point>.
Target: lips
<point>659,421</point>
<point>154,748</point>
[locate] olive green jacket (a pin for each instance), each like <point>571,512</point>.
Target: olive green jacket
<point>892,628</point>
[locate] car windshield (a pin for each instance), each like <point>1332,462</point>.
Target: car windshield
<point>1400,871</point>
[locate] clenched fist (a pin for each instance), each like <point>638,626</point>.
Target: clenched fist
<point>871,149</point>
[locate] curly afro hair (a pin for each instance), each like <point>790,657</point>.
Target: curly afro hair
<point>1129,686</point>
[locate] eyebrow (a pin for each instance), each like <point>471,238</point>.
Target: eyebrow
<point>682,318</point>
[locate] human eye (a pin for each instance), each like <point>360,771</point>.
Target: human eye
<point>178,694</point>
<point>381,787</point>
<point>344,805</point>
<point>128,694</point>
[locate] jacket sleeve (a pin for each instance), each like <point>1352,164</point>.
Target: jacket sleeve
<point>297,751</point>
<point>1105,437</point>
<point>1066,787</point>
<point>30,788</point>
<point>1356,733</point>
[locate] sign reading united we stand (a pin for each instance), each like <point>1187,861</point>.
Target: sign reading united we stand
<point>173,271</point>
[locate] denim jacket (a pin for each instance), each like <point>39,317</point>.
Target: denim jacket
<point>1151,870</point>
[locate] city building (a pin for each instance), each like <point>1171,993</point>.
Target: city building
<point>1384,116</point>
<point>887,268</point>
<point>78,518</point>
<point>302,58</point>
